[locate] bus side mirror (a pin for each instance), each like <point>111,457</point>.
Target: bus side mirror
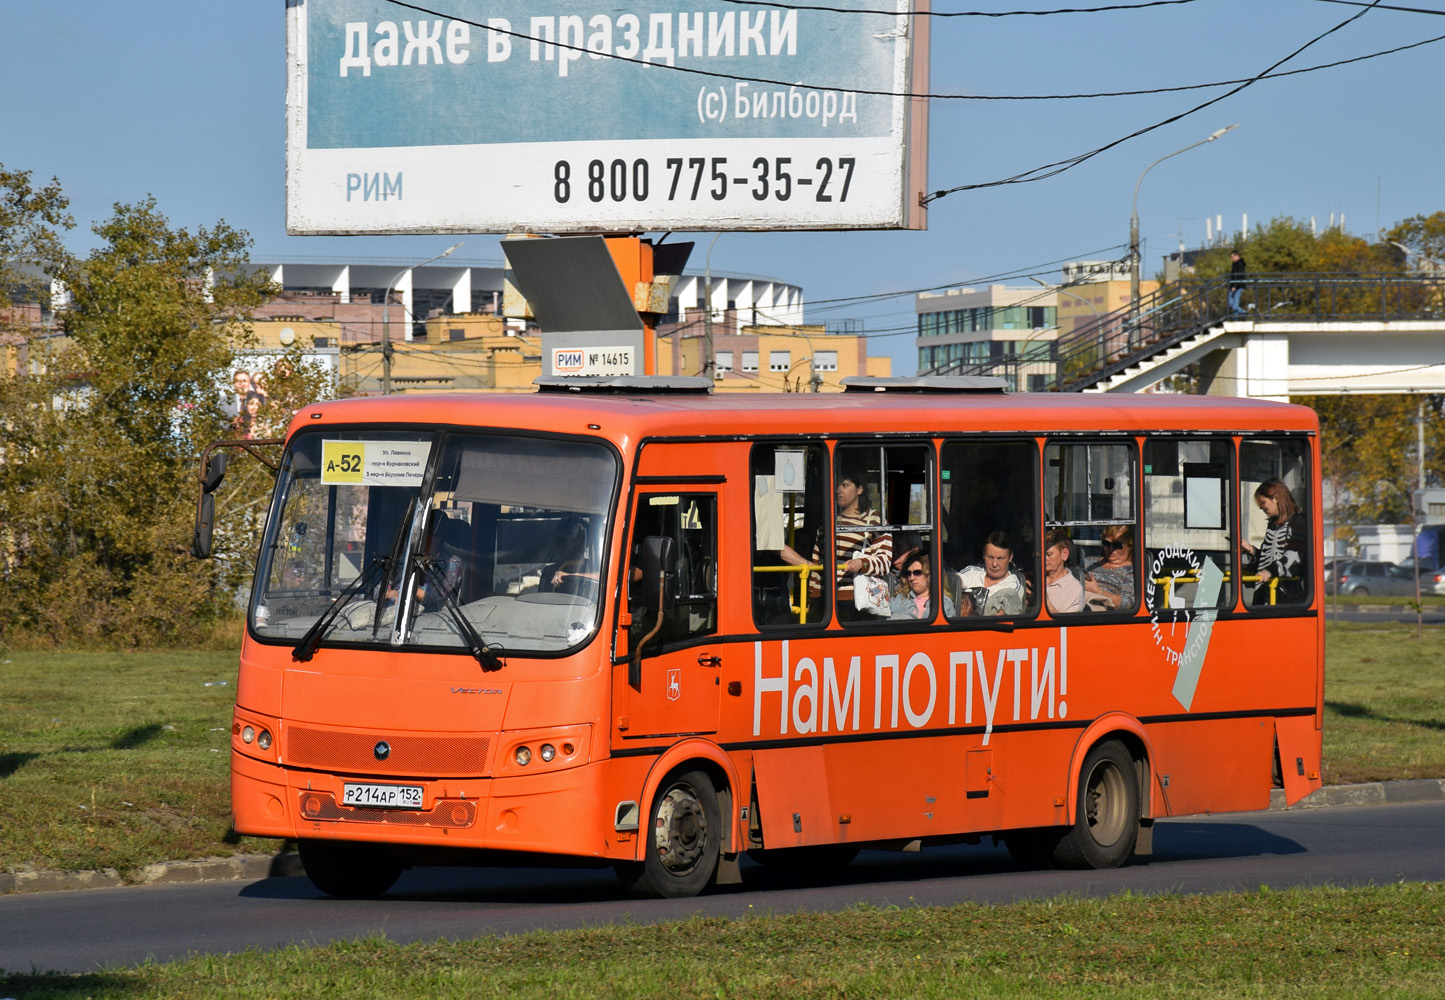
<point>658,562</point>
<point>205,522</point>
<point>215,472</point>
<point>206,507</point>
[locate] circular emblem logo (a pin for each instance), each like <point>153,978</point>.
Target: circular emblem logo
<point>1170,571</point>
<point>382,750</point>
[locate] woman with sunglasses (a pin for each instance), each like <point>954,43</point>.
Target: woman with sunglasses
<point>917,600</point>
<point>1109,583</point>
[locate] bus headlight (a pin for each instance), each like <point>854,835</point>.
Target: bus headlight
<point>248,734</point>
<point>524,756</point>
<point>548,752</point>
<point>264,740</point>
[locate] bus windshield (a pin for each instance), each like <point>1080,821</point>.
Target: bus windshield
<point>398,536</point>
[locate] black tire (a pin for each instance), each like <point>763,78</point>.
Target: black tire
<point>816,860</point>
<point>350,871</point>
<point>1106,813</point>
<point>1359,592</point>
<point>684,835</point>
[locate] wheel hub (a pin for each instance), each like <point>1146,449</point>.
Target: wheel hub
<point>681,830</point>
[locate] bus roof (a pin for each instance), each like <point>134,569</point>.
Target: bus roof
<point>620,416</point>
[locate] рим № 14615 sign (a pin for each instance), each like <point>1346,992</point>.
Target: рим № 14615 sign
<point>512,116</point>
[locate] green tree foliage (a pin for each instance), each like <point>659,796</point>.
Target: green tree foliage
<point>1370,453</point>
<point>1288,245</point>
<point>31,219</point>
<point>1423,235</point>
<point>97,482</point>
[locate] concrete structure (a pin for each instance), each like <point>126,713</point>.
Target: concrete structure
<point>969,325</point>
<point>1279,359</point>
<point>765,358</point>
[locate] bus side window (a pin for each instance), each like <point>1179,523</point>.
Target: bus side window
<point>690,520</point>
<point>1089,493</point>
<point>1189,559</point>
<point>989,496</point>
<point>1276,509</point>
<point>789,520</point>
<point>889,528</point>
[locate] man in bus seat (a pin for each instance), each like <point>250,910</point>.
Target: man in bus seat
<point>995,588</point>
<point>450,553</point>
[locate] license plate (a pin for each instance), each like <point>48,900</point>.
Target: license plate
<point>382,796</point>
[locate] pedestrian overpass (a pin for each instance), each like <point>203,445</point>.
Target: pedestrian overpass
<point>1302,334</point>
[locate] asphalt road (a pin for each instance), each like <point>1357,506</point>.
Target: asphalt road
<point>85,930</point>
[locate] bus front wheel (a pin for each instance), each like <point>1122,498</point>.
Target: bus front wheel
<point>350,871</point>
<point>1106,814</point>
<point>683,840</point>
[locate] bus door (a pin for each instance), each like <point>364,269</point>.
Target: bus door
<point>669,683</point>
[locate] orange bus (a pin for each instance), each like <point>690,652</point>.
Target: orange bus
<point>628,622</point>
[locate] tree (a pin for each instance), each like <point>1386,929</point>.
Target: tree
<point>1370,454</point>
<point>97,482</point>
<point>1423,235</point>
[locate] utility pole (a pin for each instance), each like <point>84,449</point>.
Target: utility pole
<point>386,349</point>
<point>1134,227</point>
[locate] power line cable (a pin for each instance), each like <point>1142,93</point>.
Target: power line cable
<point>1144,92</point>
<point>1028,271</point>
<point>1058,167</point>
<point>962,13</point>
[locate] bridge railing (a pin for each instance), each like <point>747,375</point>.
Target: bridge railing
<point>1109,343</point>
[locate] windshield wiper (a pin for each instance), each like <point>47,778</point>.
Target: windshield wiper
<point>311,641</point>
<point>485,655</point>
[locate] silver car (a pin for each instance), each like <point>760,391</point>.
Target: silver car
<point>1369,578</point>
<point>1432,575</point>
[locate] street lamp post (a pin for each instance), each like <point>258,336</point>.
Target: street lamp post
<point>707,352</point>
<point>386,348</point>
<point>1134,225</point>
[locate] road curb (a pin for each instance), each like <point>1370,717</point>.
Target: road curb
<point>241,866</point>
<point>259,866</point>
<point>1374,793</point>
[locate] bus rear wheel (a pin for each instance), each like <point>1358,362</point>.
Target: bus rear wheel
<point>350,871</point>
<point>684,836</point>
<point>1106,814</point>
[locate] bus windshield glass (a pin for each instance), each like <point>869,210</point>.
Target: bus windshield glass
<point>413,539</point>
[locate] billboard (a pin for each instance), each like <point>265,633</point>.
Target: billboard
<point>555,116</point>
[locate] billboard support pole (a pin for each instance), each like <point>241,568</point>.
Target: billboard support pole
<point>633,257</point>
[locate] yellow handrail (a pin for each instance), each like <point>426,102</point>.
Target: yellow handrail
<point>803,569</point>
<point>1167,582</point>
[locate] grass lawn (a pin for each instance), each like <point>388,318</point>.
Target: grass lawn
<point>1308,943</point>
<point>119,760</point>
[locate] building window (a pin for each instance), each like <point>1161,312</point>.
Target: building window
<point>750,361</point>
<point>724,361</point>
<point>779,361</point>
<point>825,361</point>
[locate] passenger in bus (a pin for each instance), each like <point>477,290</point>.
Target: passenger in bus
<point>1063,593</point>
<point>449,551</point>
<point>576,571</point>
<point>994,586</point>
<point>859,552</point>
<point>917,600</point>
<point>1109,582</point>
<point>1281,554</point>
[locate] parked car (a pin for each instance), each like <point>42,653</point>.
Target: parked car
<point>1432,575</point>
<point>1368,577</point>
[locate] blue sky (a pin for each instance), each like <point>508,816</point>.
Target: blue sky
<point>186,101</point>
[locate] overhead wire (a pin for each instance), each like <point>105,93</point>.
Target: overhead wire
<point>960,13</point>
<point>1060,166</point>
<point>1141,92</point>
